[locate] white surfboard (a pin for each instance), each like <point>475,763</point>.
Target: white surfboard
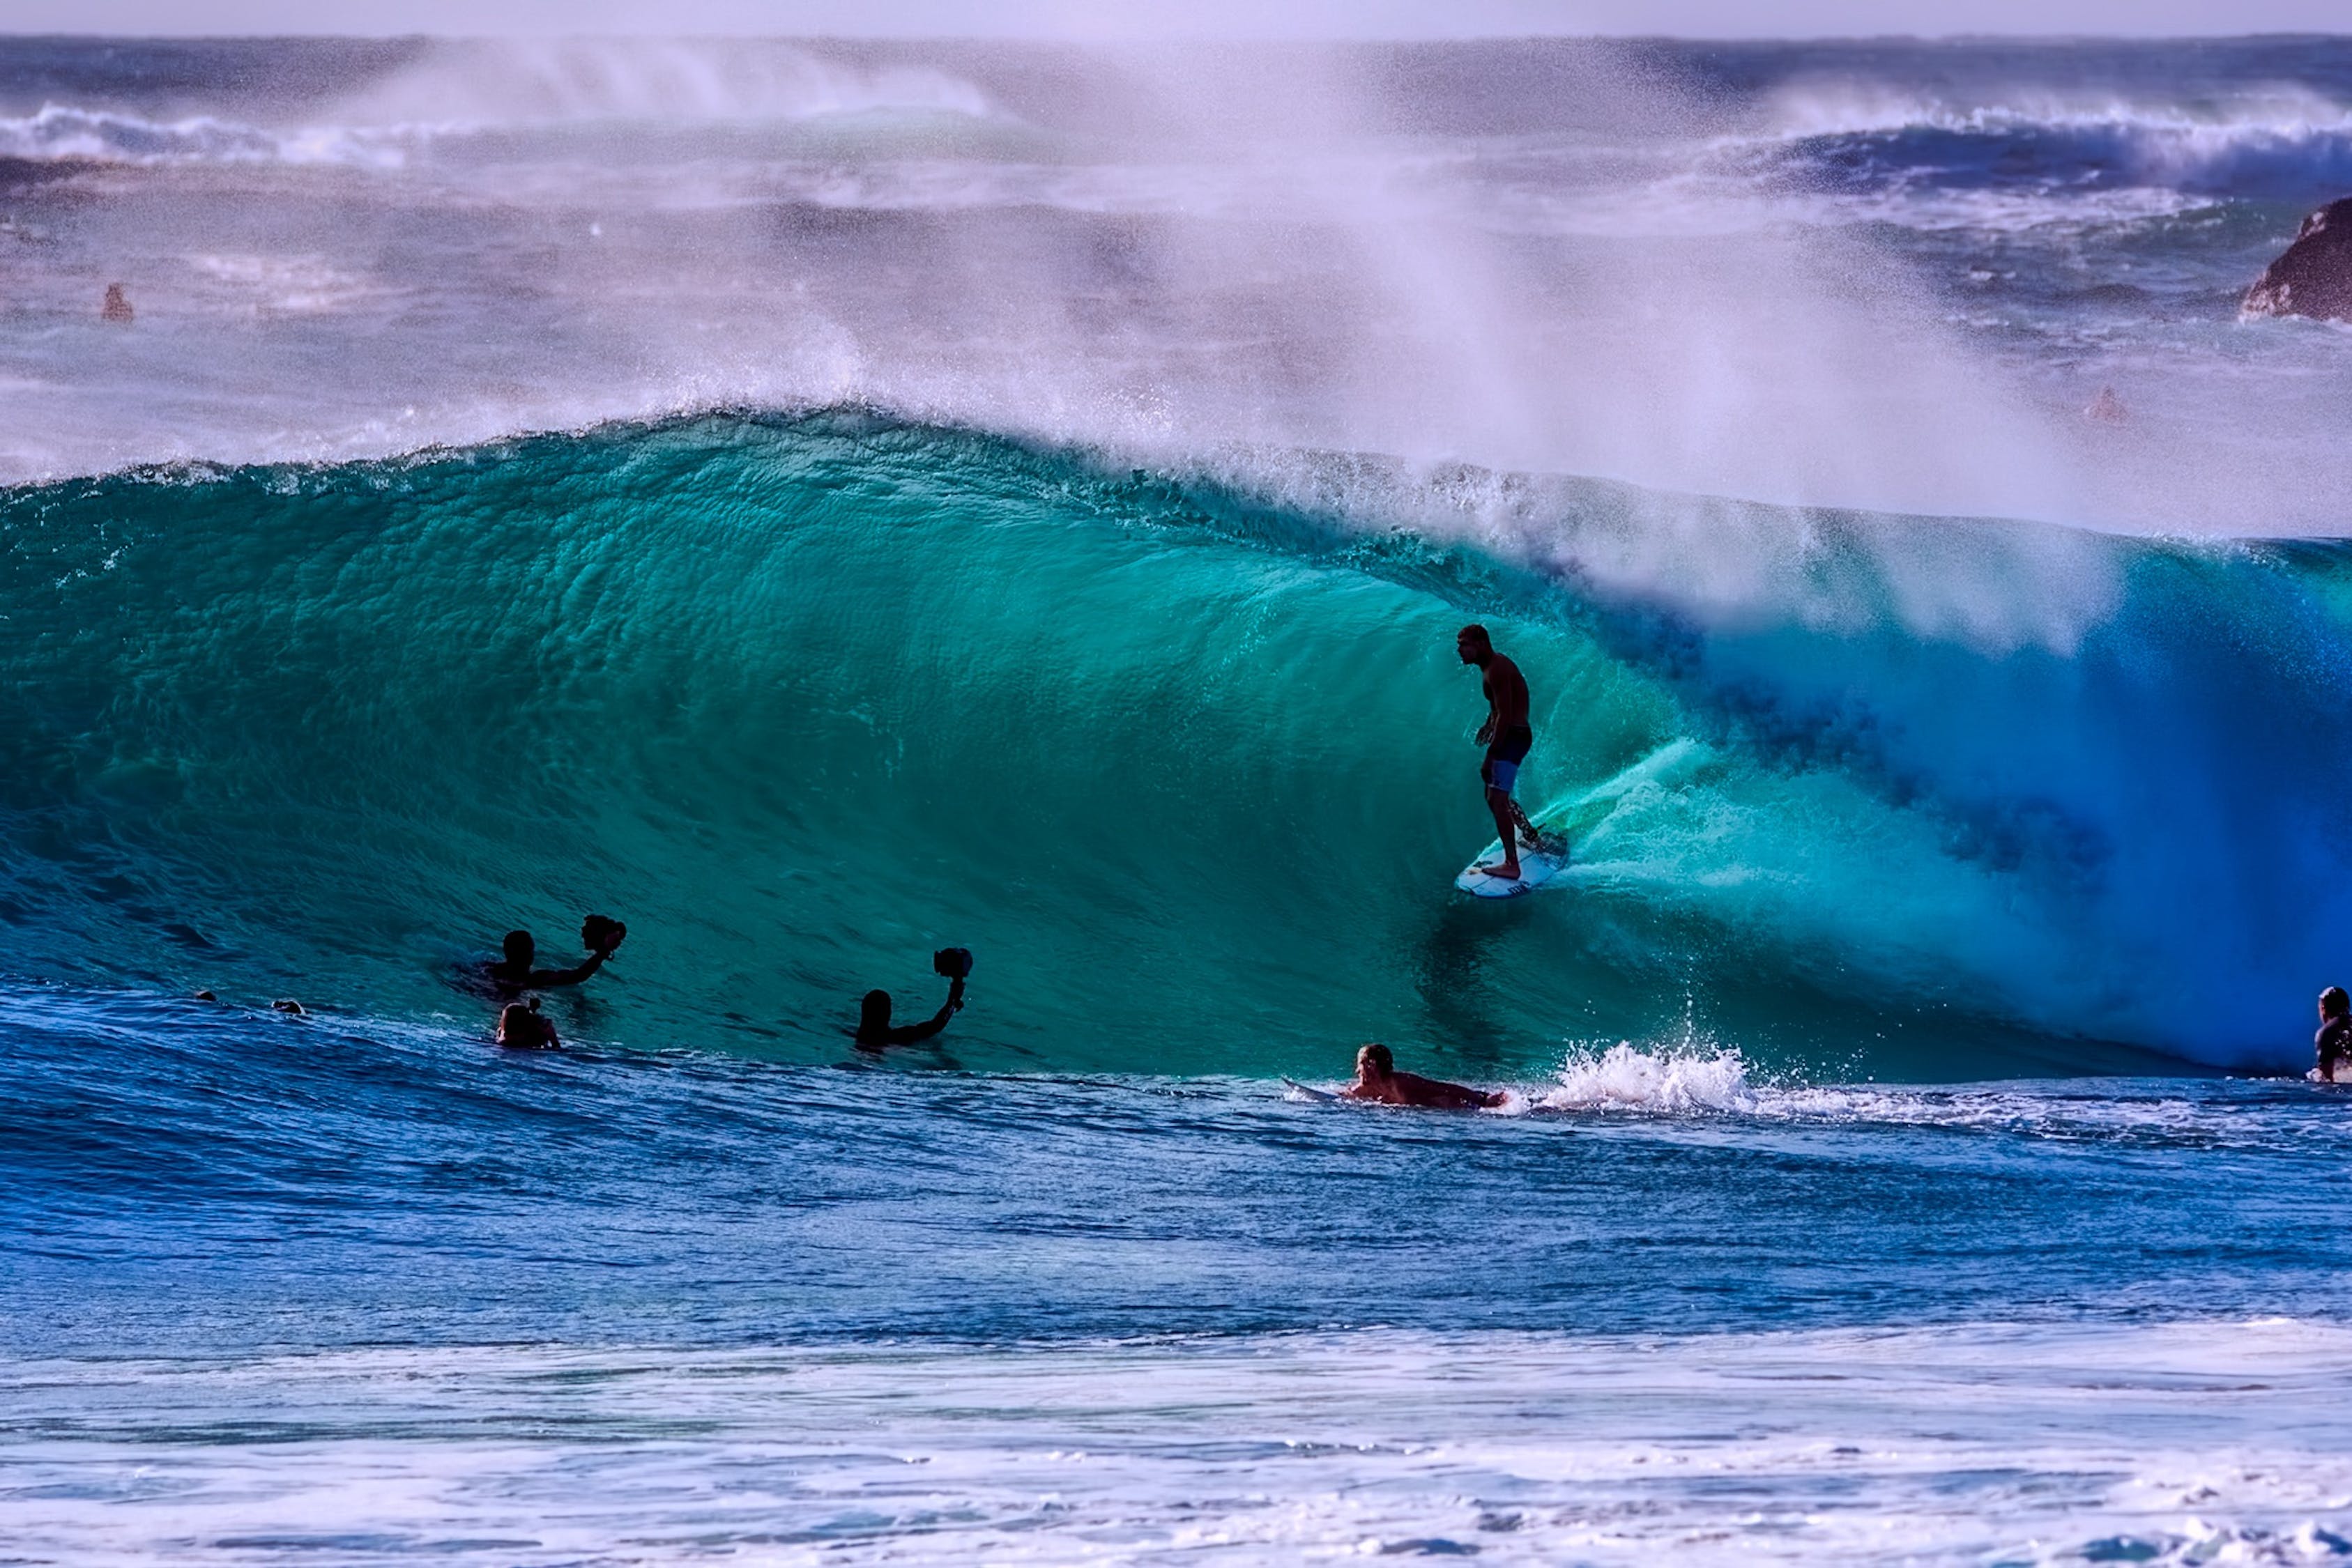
<point>1322,1097</point>
<point>1536,867</point>
<point>1670,767</point>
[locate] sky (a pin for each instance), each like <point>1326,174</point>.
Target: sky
<point>1247,19</point>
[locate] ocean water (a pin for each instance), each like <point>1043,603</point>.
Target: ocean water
<point>820,503</point>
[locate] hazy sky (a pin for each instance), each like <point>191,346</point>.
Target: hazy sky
<point>1344,18</point>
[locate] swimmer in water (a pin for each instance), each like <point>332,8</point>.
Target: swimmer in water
<point>2334,1041</point>
<point>522,1026</point>
<point>515,972</point>
<point>1377,1080</point>
<point>875,1031</point>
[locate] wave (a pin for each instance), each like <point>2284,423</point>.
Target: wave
<point>67,133</point>
<point>509,82</point>
<point>2286,143</point>
<point>453,94</point>
<point>1186,761</point>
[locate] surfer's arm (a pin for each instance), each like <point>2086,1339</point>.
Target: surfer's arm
<point>914,1033</point>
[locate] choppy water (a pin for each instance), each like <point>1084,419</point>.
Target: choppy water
<point>823,503</point>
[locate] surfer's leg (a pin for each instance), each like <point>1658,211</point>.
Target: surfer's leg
<point>1507,868</point>
<point>1499,775</point>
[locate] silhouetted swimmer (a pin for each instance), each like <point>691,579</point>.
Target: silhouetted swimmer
<point>1377,1079</point>
<point>2334,1041</point>
<point>116,307</point>
<point>874,1028</point>
<point>522,1026</point>
<point>288,1005</point>
<point>600,934</point>
<point>1507,737</point>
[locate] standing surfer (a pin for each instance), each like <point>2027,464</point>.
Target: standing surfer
<point>1507,735</point>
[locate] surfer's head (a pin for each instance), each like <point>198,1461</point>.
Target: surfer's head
<point>520,949</point>
<point>874,1013</point>
<point>2333,1003</point>
<point>1473,643</point>
<point>1374,1063</point>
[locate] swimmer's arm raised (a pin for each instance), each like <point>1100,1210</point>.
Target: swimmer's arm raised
<point>540,979</point>
<point>914,1033</point>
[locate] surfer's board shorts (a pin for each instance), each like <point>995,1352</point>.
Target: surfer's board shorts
<point>1501,768</point>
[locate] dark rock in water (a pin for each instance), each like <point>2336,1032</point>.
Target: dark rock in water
<point>2314,276</point>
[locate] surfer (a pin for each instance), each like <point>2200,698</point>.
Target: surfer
<point>1507,735</point>
<point>600,934</point>
<point>875,1031</point>
<point>2334,1041</point>
<point>522,1026</point>
<point>1377,1079</point>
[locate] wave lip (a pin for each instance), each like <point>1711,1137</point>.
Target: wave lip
<point>2280,143</point>
<point>65,133</point>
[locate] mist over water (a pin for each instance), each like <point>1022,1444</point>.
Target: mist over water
<point>1783,274</point>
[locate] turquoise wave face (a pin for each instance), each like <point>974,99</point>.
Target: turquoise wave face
<point>1190,770</point>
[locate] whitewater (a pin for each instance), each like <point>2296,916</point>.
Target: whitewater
<point>824,502</point>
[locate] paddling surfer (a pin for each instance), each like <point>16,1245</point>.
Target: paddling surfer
<point>1508,736</point>
<point>1377,1079</point>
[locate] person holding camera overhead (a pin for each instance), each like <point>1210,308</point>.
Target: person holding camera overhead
<point>519,971</point>
<point>875,1031</point>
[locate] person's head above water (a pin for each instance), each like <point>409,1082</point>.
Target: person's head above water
<point>874,1013</point>
<point>1473,643</point>
<point>520,949</point>
<point>522,1026</point>
<point>1374,1062</point>
<point>2333,1003</point>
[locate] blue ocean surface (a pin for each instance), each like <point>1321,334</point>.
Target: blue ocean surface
<point>825,503</point>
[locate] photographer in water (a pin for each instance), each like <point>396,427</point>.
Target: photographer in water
<point>873,1028</point>
<point>519,970</point>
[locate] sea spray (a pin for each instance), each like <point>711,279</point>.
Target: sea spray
<point>1667,1082</point>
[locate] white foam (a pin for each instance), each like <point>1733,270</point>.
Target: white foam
<point>2216,1441</point>
<point>1621,1078</point>
<point>67,133</point>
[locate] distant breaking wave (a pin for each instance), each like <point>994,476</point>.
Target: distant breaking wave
<point>2286,145</point>
<point>473,90</point>
<point>64,133</point>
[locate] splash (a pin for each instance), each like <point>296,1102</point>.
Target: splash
<point>1670,1082</point>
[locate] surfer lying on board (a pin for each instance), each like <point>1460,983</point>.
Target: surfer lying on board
<point>600,934</point>
<point>1507,735</point>
<point>873,1028</point>
<point>1377,1079</point>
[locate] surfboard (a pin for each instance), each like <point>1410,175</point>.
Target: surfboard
<point>1562,823</point>
<point>1536,867</point>
<point>1322,1095</point>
